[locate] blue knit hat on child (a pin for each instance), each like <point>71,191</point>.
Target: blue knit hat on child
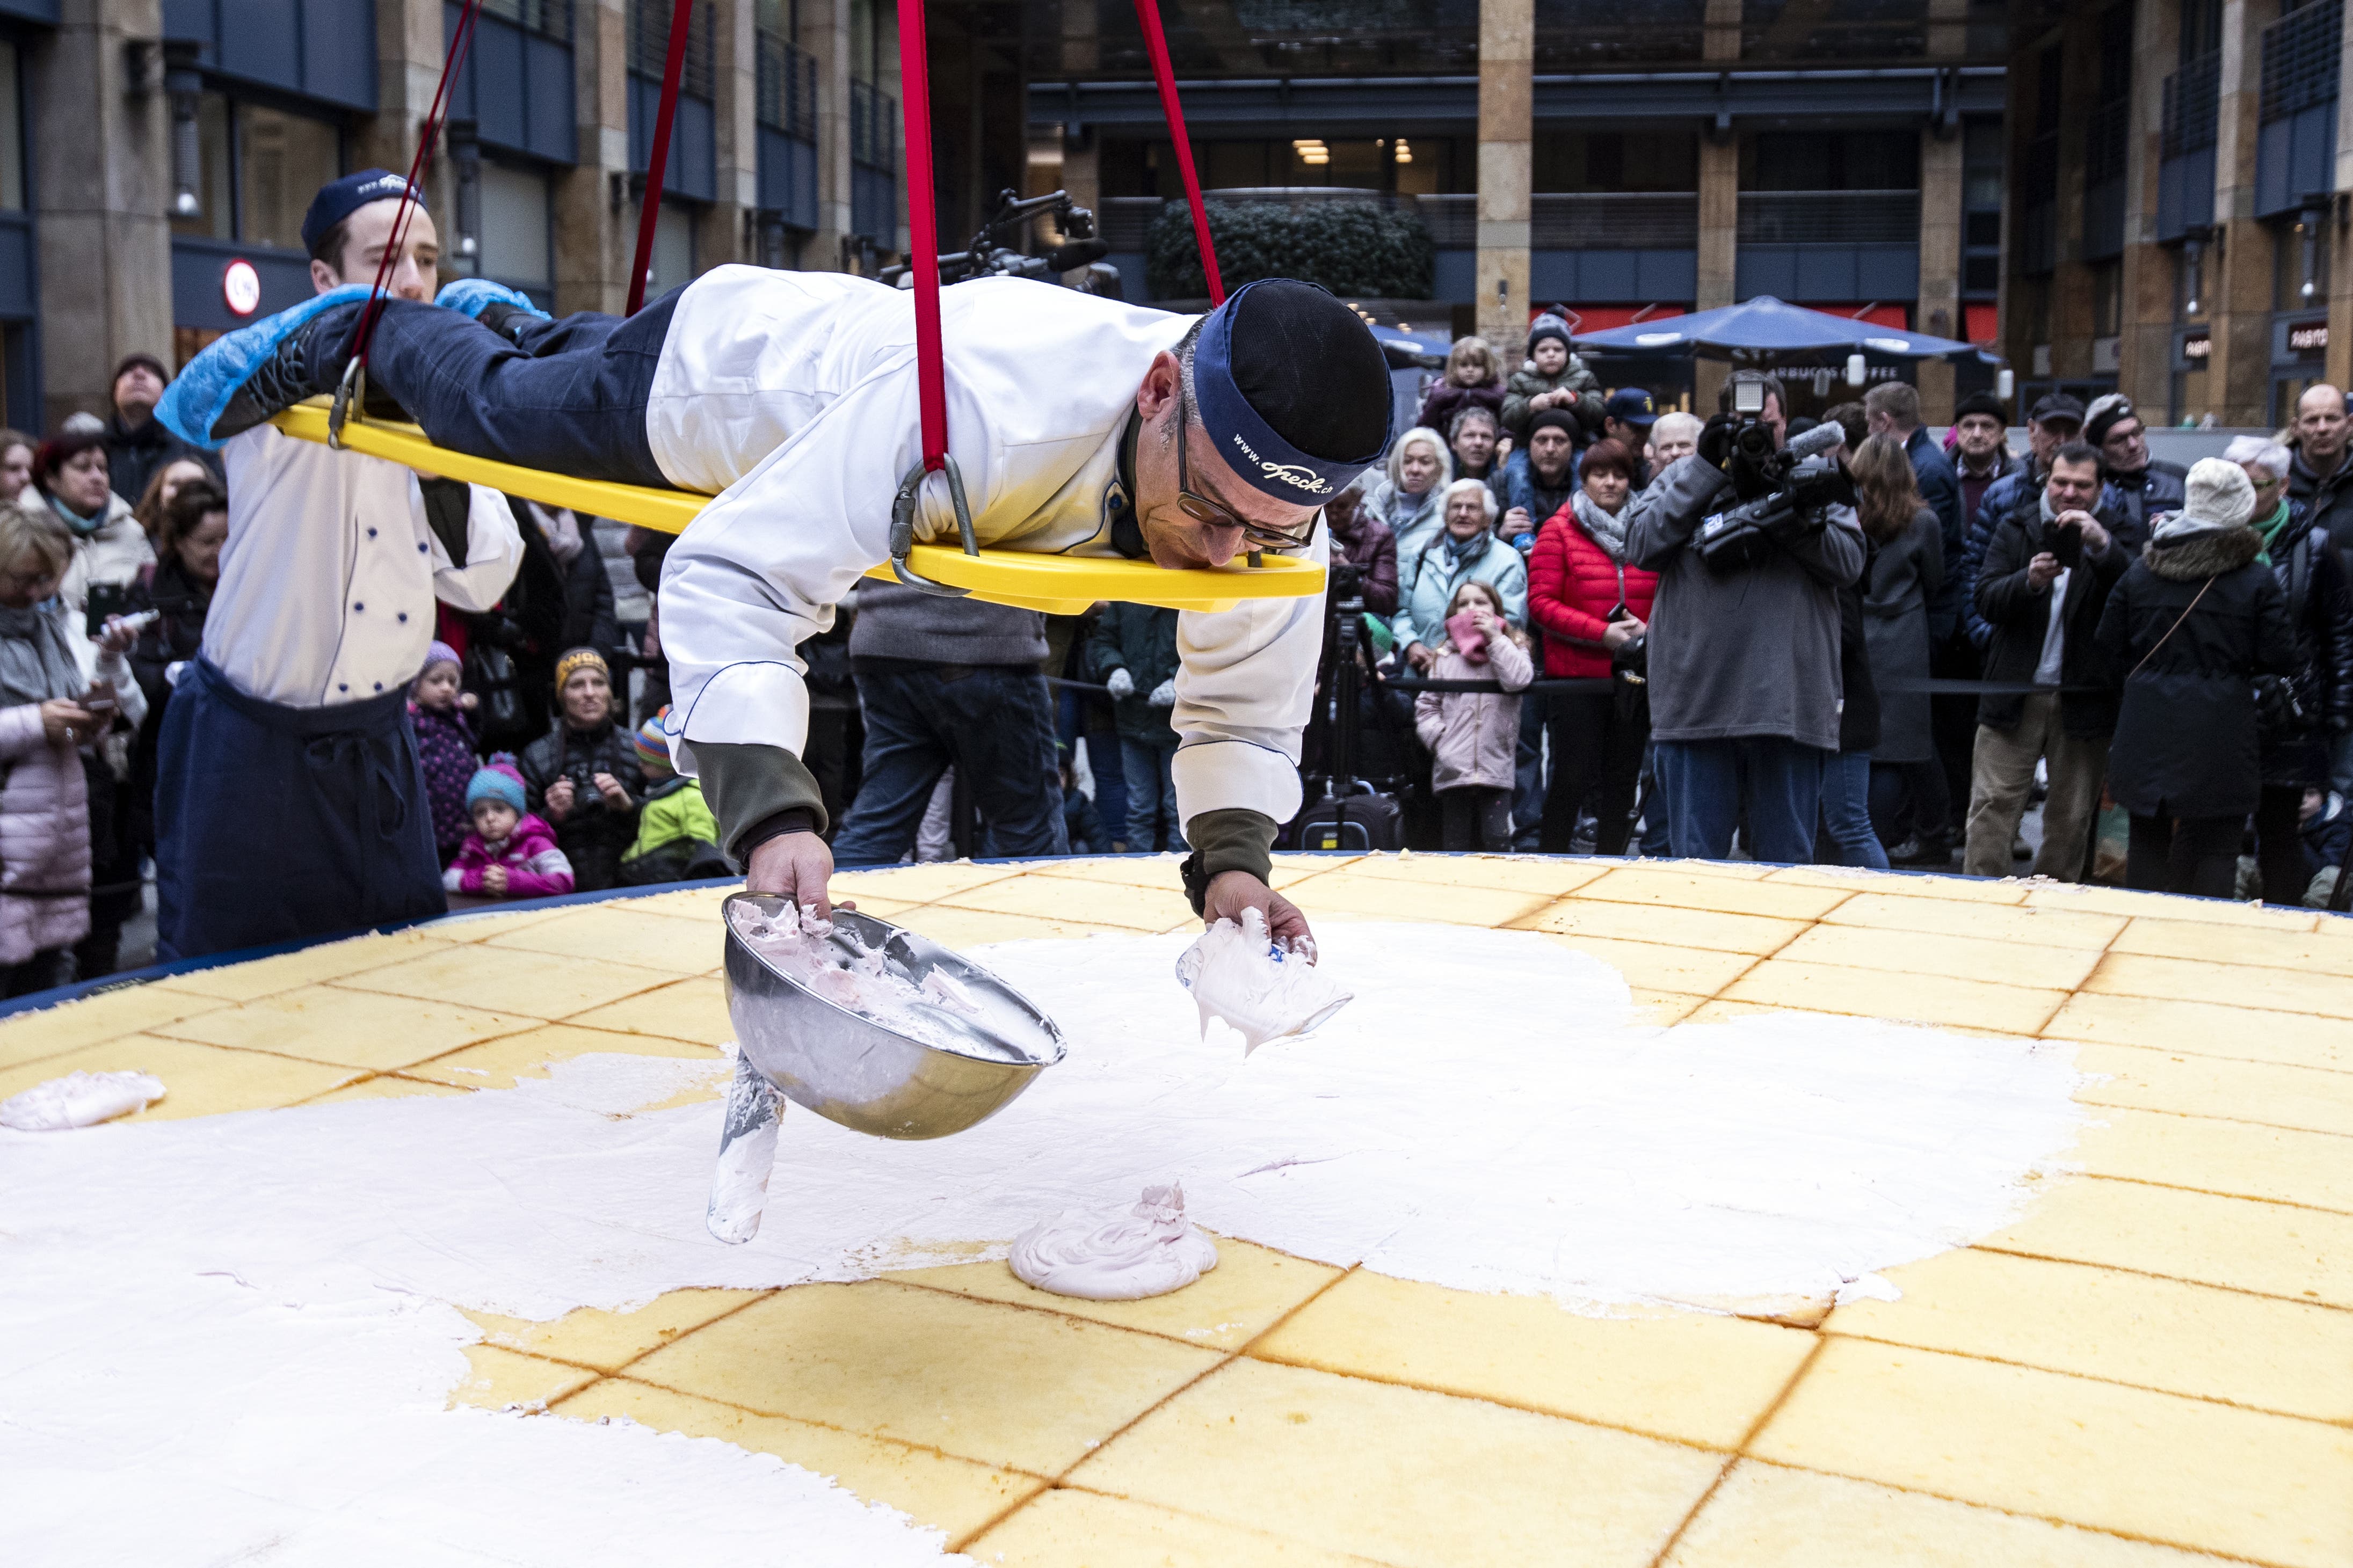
<point>496,780</point>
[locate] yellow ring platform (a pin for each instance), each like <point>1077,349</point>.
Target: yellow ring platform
<point>2155,1363</point>
<point>1052,585</point>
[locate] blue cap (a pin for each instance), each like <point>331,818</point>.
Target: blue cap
<point>1313,357</point>
<point>338,199</point>
<point>1632,406</point>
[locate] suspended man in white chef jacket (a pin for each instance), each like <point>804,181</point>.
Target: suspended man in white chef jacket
<point>288,800</point>
<point>1081,426</point>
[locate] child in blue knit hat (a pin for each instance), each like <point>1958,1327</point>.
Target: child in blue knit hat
<point>510,854</point>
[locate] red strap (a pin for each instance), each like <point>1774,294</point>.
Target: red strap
<point>426,136</point>
<point>681,16</point>
<point>1147,13</point>
<point>922,219</point>
<point>923,232</point>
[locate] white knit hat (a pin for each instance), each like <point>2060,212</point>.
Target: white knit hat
<point>2219,496</point>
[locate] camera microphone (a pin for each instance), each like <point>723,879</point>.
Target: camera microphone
<point>1816,441</point>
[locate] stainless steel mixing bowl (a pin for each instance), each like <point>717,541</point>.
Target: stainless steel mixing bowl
<point>850,1070</point>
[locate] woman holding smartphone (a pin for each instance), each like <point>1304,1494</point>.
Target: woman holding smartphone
<point>51,718</point>
<point>70,487</point>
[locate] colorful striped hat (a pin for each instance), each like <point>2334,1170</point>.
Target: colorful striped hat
<point>653,745</point>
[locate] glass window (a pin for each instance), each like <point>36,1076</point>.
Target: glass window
<point>517,227</point>
<point>865,43</point>
<point>282,160</point>
<point>1618,160</point>
<point>673,250</point>
<point>259,170</point>
<point>1829,161</point>
<point>2289,263</point>
<point>11,133</point>
<point>217,218</point>
<point>2108,298</point>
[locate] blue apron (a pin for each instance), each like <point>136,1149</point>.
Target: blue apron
<point>277,823</point>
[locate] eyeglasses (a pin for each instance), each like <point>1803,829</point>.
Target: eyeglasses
<point>1258,536</point>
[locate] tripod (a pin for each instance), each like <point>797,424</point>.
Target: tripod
<point>1340,782</point>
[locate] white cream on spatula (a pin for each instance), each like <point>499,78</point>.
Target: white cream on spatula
<point>1148,1251</point>
<point>1262,989</point>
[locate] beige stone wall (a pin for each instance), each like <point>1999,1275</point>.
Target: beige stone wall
<point>100,186</point>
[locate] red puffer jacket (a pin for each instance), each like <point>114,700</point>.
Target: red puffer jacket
<point>1572,584</point>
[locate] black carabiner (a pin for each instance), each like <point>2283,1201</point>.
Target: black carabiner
<point>902,528</point>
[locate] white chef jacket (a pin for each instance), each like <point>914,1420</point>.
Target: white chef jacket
<point>328,579</point>
<point>793,395</point>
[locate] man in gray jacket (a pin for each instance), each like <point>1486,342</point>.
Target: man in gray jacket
<point>948,682</point>
<point>1743,665</point>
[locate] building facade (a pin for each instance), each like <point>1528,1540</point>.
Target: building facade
<point>174,211</point>
<point>2143,194</point>
<point>1624,160</point>
<point>2181,170</point>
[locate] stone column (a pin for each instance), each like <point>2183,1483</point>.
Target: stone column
<point>825,34</point>
<point>1939,309</point>
<point>101,179</point>
<point>1506,128</point>
<point>1720,41</point>
<point>2144,357</point>
<point>1719,202</point>
<point>2340,263</point>
<point>726,233</point>
<point>2239,373</point>
<point>409,48</point>
<point>886,81</point>
<point>596,219</point>
<point>1948,29</point>
<point>2071,314</point>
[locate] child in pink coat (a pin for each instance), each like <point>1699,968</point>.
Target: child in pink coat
<point>511,854</point>
<point>1474,736</point>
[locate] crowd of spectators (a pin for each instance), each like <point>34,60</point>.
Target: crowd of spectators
<point>1552,658</point>
<point>112,535</point>
<point>1550,661</point>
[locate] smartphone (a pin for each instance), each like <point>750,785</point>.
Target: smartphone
<point>1618,612</point>
<point>2067,545</point>
<point>106,600</point>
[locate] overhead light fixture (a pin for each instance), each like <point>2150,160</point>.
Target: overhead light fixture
<point>1404,151</point>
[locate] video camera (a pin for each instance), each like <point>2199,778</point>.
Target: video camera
<point>1782,490</point>
<point>992,252</point>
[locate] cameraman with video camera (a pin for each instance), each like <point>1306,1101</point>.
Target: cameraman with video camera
<point>1752,544</point>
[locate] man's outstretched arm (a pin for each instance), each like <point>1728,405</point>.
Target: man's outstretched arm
<point>1245,689</point>
<point>756,574</point>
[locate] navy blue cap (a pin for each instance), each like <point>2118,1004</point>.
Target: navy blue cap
<point>1316,369</point>
<point>338,199</point>
<point>1631,406</point>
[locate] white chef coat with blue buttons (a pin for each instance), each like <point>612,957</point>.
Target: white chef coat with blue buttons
<point>794,395</point>
<point>330,571</point>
